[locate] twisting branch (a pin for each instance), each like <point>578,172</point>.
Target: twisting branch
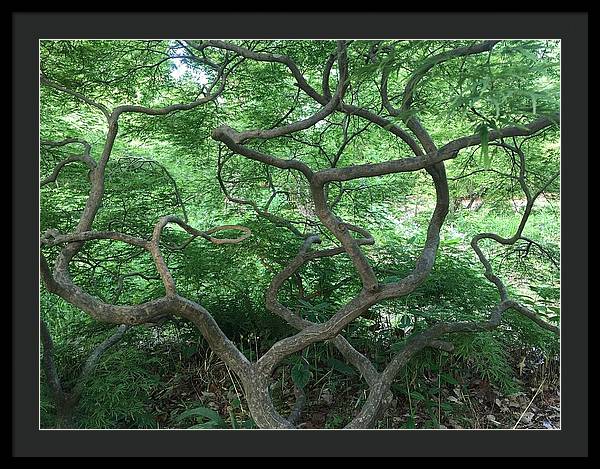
<point>67,401</point>
<point>87,148</point>
<point>71,159</point>
<point>138,163</point>
<point>533,316</point>
<point>241,137</point>
<point>54,238</point>
<point>83,158</point>
<point>161,265</point>
<point>305,255</point>
<point>81,97</point>
<point>264,213</point>
<point>207,234</point>
<point>97,174</point>
<point>421,71</point>
<point>543,250</point>
<point>260,57</point>
<point>256,376</point>
<point>310,91</point>
<point>92,360</point>
<point>59,281</point>
<point>230,137</point>
<point>167,109</point>
<point>372,292</point>
<point>227,135</point>
<point>121,279</point>
<point>49,366</point>
<point>489,273</point>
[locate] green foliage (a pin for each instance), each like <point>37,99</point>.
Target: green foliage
<point>207,418</point>
<point>301,374</point>
<point>483,132</point>
<point>118,393</point>
<point>168,166</point>
<point>486,354</point>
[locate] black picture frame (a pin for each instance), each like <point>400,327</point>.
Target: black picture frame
<point>571,28</point>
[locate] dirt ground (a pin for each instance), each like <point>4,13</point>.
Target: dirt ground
<point>474,404</point>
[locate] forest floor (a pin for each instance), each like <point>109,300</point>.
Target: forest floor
<point>474,404</point>
<point>535,406</point>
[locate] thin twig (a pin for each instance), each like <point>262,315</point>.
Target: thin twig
<point>530,402</point>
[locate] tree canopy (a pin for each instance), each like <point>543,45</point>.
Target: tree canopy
<point>378,199</point>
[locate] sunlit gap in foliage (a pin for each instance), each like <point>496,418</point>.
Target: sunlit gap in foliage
<point>180,68</point>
